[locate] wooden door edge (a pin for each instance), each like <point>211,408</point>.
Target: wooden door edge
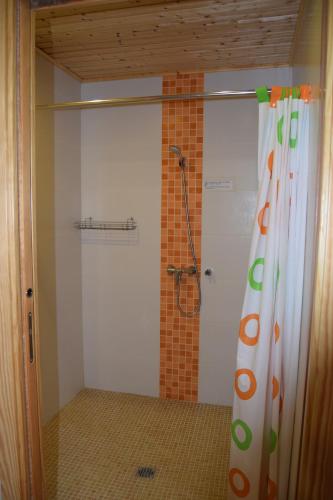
<point>25,135</point>
<point>316,457</point>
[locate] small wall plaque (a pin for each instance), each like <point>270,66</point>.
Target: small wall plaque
<point>221,184</point>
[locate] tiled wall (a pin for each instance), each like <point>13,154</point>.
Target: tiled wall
<point>182,125</point>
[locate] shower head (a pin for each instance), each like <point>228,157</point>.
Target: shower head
<point>177,151</point>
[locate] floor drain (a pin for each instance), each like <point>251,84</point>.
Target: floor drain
<point>148,472</point>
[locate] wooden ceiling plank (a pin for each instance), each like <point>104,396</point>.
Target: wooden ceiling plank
<point>185,31</point>
<point>156,71</point>
<point>216,52</point>
<point>106,33</point>
<point>108,5</point>
<point>166,48</point>
<point>212,42</point>
<point>153,43</point>
<point>87,7</point>
<point>182,65</point>
<point>200,61</point>
<point>173,11</point>
<point>122,73</point>
<point>146,74</point>
<point>162,19</point>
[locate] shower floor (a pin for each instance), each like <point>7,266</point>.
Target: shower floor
<point>94,447</point>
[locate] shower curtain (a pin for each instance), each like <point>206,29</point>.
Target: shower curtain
<point>269,334</point>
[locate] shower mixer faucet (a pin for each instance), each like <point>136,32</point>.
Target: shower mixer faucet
<point>181,270</point>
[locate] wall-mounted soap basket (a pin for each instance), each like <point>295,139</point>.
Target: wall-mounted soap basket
<point>90,223</point>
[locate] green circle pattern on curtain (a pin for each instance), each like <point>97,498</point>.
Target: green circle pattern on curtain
<point>280,129</point>
<point>272,441</point>
<point>245,444</point>
<point>256,285</point>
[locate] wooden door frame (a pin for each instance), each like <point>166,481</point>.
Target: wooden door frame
<point>25,138</point>
<point>20,460</point>
<point>14,464</point>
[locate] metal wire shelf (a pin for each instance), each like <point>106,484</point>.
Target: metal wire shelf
<point>89,223</point>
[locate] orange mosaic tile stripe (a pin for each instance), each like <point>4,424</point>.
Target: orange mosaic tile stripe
<point>182,125</point>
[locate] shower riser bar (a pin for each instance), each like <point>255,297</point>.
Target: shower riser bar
<point>129,101</point>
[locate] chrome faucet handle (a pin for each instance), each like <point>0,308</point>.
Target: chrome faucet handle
<point>171,269</point>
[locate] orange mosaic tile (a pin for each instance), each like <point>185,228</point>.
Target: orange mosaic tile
<point>182,125</point>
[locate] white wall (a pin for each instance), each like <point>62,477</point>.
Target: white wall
<point>67,238</point>
<point>230,151</point>
<point>57,206</point>
<point>121,177</point>
<point>45,244</point>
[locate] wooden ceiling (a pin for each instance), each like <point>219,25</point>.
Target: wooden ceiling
<point>116,39</point>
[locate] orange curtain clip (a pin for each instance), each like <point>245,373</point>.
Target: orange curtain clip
<point>275,96</point>
<point>278,93</point>
<point>306,93</point>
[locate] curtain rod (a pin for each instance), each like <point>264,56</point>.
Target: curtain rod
<point>126,101</point>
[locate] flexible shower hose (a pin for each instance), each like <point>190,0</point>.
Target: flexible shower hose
<point>188,314</point>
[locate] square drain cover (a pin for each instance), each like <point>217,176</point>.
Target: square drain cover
<point>147,472</point>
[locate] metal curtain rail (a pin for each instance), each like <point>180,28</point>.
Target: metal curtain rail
<point>127,101</point>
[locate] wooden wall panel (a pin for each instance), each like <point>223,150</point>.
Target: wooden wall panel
<point>13,445</point>
<point>316,478</point>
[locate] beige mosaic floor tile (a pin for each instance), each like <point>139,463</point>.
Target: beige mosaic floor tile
<point>95,445</point>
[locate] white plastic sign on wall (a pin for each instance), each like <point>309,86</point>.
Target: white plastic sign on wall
<point>221,184</point>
